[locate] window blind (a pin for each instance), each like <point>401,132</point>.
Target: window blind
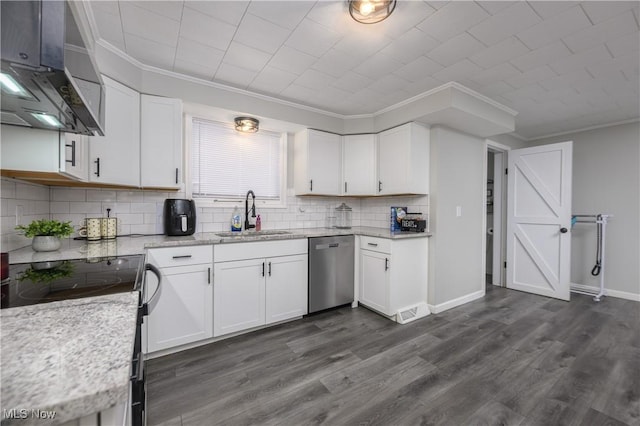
<point>226,163</point>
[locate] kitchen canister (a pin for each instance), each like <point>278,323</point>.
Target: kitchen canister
<point>92,229</point>
<point>109,227</point>
<point>343,216</point>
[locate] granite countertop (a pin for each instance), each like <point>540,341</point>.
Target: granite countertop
<point>71,357</point>
<point>124,246</point>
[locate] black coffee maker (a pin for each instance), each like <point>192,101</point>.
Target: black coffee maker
<point>179,217</point>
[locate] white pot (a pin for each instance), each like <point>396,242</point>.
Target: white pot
<point>46,243</point>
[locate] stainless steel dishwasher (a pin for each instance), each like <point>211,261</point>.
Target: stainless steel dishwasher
<point>330,271</point>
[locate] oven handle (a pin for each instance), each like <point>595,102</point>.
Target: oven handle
<point>156,272</point>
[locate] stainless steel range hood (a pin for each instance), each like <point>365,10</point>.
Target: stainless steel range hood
<point>48,79</point>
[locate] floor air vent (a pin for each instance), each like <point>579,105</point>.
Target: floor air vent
<point>411,313</point>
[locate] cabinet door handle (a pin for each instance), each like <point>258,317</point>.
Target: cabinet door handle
<point>386,263</point>
<point>345,187</point>
<point>73,153</point>
<point>184,256</point>
<point>208,275</point>
<point>372,244</point>
<point>97,172</point>
<point>176,175</point>
<point>269,268</point>
<point>263,269</point>
<point>311,185</point>
<point>379,186</point>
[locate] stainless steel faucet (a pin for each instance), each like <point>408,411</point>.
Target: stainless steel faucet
<point>248,225</point>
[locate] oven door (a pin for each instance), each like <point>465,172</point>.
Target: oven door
<point>138,374</point>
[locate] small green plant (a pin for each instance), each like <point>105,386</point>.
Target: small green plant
<point>45,227</point>
<point>45,276</point>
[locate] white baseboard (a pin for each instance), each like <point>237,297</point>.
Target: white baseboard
<point>436,309</point>
<point>607,292</point>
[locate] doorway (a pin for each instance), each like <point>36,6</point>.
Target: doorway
<point>495,214</point>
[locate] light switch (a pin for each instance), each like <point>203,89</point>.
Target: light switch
<point>458,211</point>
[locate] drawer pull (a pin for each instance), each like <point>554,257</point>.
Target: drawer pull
<point>386,264</point>
<point>269,268</point>
<point>372,244</point>
<point>208,275</point>
<point>263,269</point>
<point>184,256</point>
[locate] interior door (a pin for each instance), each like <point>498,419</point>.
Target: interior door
<point>538,220</point>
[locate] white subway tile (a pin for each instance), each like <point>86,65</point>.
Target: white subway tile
<point>150,196</point>
<point>8,188</point>
<point>116,208</point>
<point>130,196</point>
<point>143,229</point>
<point>68,194</point>
<point>102,195</point>
<point>149,218</point>
<point>92,208</point>
<point>130,218</point>
<point>143,207</point>
<point>124,229</point>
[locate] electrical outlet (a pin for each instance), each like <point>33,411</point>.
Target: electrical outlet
<point>19,214</point>
<point>458,211</point>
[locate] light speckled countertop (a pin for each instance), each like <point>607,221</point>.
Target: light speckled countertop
<point>72,357</point>
<point>124,246</point>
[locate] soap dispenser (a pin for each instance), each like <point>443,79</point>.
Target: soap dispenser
<point>236,220</point>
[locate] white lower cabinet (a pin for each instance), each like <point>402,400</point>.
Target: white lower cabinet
<point>258,283</point>
<point>238,297</point>
<point>182,311</point>
<point>286,288</point>
<point>392,274</point>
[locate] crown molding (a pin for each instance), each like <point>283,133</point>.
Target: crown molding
<point>585,129</point>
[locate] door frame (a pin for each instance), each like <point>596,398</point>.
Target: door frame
<point>501,153</point>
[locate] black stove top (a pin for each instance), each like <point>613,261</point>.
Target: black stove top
<point>43,282</point>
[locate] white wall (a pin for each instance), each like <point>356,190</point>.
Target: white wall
<point>606,179</point>
<point>456,269</point>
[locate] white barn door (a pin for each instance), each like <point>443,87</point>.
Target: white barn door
<point>539,220</point>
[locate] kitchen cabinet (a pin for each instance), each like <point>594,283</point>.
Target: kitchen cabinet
<point>160,142</point>
<point>359,164</point>
<point>74,155</point>
<point>43,154</point>
<point>258,283</point>
<point>115,157</point>
<point>403,160</point>
<point>392,273</point>
<point>317,163</point>
<point>183,312</point>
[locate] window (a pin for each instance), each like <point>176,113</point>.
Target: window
<point>225,164</point>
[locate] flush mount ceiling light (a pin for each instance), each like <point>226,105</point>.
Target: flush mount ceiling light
<point>371,11</point>
<point>246,124</point>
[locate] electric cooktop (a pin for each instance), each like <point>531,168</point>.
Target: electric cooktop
<point>43,282</point>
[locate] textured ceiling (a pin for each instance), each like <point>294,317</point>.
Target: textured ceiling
<point>563,65</point>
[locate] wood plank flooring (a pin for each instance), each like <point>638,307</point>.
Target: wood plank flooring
<point>510,358</point>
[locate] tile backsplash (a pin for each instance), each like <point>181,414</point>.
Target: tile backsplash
<point>140,212</point>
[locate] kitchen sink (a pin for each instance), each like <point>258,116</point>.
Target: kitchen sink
<point>251,233</point>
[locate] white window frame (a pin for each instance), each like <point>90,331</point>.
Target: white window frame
<point>232,202</point>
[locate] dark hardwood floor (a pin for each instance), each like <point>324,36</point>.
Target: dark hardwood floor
<point>510,358</point>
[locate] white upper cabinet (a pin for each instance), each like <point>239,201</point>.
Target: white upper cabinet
<point>359,164</point>
<point>403,160</point>
<point>115,157</point>
<point>317,163</point>
<point>74,155</point>
<point>160,142</point>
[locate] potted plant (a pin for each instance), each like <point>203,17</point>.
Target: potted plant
<point>46,233</point>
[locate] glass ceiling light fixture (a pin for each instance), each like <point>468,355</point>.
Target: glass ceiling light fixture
<point>246,124</point>
<point>371,11</point>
